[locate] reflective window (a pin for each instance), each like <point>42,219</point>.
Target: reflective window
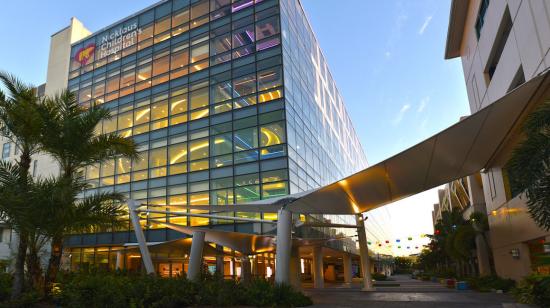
<point>177,153</point>
<point>272,134</point>
<point>159,110</point>
<point>246,139</point>
<point>243,36</point>
<point>198,149</point>
<point>247,193</point>
<point>157,157</point>
<point>245,85</point>
<point>267,27</point>
<point>221,144</point>
<point>199,98</point>
<point>270,79</point>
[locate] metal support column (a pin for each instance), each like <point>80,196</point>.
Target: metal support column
<point>346,259</point>
<point>364,253</point>
<point>318,268</point>
<point>284,246</point>
<point>144,250</point>
<point>195,257</point>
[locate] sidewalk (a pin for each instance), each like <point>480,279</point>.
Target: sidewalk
<point>409,293</point>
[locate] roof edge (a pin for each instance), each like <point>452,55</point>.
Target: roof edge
<point>455,31</point>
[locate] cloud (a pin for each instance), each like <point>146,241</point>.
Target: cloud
<point>401,114</point>
<point>425,25</point>
<point>423,102</point>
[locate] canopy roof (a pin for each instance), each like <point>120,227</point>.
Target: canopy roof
<point>458,151</point>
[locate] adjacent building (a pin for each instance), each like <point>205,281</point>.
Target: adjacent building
<point>502,44</point>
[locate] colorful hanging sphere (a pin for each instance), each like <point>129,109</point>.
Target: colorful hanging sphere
<point>408,247</point>
<point>415,247</point>
<point>398,240</point>
<point>410,238</point>
<point>387,242</point>
<point>369,243</point>
<point>379,245</point>
<point>399,247</point>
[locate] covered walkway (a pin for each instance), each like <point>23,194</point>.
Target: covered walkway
<point>458,151</point>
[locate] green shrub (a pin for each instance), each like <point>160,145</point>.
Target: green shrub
<point>534,289</point>
<point>119,290</point>
<point>5,286</point>
<point>488,283</point>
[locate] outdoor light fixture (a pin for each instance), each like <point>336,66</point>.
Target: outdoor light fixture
<point>515,253</point>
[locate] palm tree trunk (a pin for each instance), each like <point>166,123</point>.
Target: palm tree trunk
<point>33,262</point>
<point>54,263</point>
<point>19,272</point>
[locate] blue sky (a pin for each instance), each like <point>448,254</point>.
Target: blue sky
<point>386,58</point>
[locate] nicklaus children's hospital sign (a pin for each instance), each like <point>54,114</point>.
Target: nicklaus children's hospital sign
<point>109,43</point>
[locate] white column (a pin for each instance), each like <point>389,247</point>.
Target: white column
<point>318,273</point>
<point>284,246</point>
<point>346,259</point>
<point>144,250</point>
<point>195,257</point>
<point>119,260</point>
<point>364,253</point>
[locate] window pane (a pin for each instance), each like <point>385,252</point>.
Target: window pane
<point>247,193</point>
<point>267,27</point>
<point>180,59</point>
<point>198,165</point>
<point>99,89</point>
<point>159,110</point>
<point>180,17</point>
<point>246,139</point>
<point>112,84</point>
<point>222,144</point>
<point>178,153</point>
<point>272,190</point>
<point>109,126</point>
<point>141,115</point>
<point>146,32</point>
<point>221,44</point>
<point>161,65</point>
<point>243,36</point>
<point>198,149</point>
<point>274,176</point>
<point>157,157</point>
<point>144,72</point>
<point>247,179</point>
<point>199,52</point>
<point>141,162</point>
<point>108,168</point>
<point>269,79</point>
<point>199,9</point>
<point>162,25</point>
<point>244,85</point>
<point>125,120</point>
<point>128,78</point>
<point>272,134</point>
<point>199,98</point>
<point>221,92</point>
<point>221,197</point>
<point>178,104</point>
<point>123,165</point>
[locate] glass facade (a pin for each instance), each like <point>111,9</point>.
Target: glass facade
<point>229,102</point>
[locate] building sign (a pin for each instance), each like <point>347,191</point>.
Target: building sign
<point>118,39</point>
<point>84,54</point>
<point>109,44</point>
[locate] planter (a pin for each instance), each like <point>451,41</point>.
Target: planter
<point>462,285</point>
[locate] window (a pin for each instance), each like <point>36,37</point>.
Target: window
<point>6,150</point>
<point>161,65</point>
<point>162,25</point>
<point>246,139</point>
<point>272,190</point>
<point>221,144</point>
<point>272,134</point>
<point>481,16</point>
<point>177,153</point>
<point>128,78</point>
<point>199,52</point>
<point>243,36</point>
<point>159,110</point>
<point>247,193</point>
<point>244,85</point>
<point>180,59</point>
<point>144,72</point>
<point>141,115</point>
<point>498,47</point>
<point>198,149</point>
<point>267,27</point>
<point>199,98</point>
<point>221,44</point>
<point>157,157</point>
<point>269,79</point>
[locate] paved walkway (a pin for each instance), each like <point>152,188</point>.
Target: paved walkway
<point>409,293</point>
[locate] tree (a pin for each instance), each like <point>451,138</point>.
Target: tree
<point>529,166</point>
<point>70,136</point>
<point>21,123</point>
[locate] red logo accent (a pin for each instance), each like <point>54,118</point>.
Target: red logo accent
<point>84,54</point>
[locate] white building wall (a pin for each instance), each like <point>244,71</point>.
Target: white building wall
<point>527,47</point>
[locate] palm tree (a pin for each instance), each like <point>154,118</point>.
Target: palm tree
<point>21,123</point>
<point>70,136</point>
<point>529,166</point>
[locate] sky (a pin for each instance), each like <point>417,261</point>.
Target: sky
<point>387,58</point>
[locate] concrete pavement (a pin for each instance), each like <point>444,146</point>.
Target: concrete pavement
<point>409,293</point>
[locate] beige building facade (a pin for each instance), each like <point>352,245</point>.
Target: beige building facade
<point>502,44</point>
